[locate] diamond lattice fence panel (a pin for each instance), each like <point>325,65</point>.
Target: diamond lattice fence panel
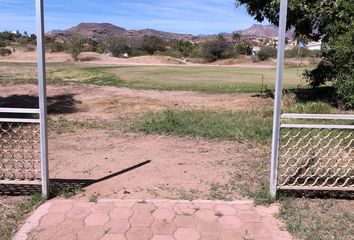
<point>19,153</point>
<point>316,159</point>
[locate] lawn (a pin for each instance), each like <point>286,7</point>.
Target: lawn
<point>187,78</point>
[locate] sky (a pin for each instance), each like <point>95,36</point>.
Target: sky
<point>180,16</point>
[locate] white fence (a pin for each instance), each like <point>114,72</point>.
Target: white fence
<point>20,147</point>
<point>314,155</point>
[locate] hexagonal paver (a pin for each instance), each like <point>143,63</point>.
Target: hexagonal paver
<point>96,219</point>
<point>61,207</point>
<point>186,234</point>
<point>156,220</point>
<point>206,215</point>
<point>91,233</point>
<point>164,214</point>
<point>226,210</point>
<point>233,234</point>
<point>162,237</point>
<point>139,233</point>
<point>102,208</point>
<point>113,237</point>
<point>230,222</point>
<point>141,219</point>
<point>210,229</point>
<point>184,221</point>
<point>117,226</point>
<point>184,209</point>
<point>52,219</point>
<point>163,227</point>
<point>257,230</point>
<point>249,216</point>
<point>121,213</point>
<point>78,212</point>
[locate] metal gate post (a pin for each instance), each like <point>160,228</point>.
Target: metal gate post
<point>42,98</point>
<point>278,95</point>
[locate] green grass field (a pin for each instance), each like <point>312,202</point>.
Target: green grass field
<point>187,78</point>
<point>201,79</point>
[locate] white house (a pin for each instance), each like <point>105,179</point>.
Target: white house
<point>314,45</point>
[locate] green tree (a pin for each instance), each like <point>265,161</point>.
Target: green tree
<point>244,48</point>
<point>332,21</point>
<point>216,49</point>
<point>184,47</point>
<point>236,37</point>
<point>220,37</point>
<point>152,44</point>
<point>77,45</point>
<point>267,52</point>
<point>118,46</point>
<point>2,43</point>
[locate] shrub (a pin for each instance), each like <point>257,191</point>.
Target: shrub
<point>2,44</point>
<point>184,47</point>
<point>244,49</point>
<point>267,52</point>
<point>215,50</point>
<point>57,47</point>
<point>77,45</point>
<point>345,88</point>
<point>294,53</point>
<point>151,44</point>
<point>5,52</point>
<point>118,46</point>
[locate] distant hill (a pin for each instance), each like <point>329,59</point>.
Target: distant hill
<point>259,30</point>
<point>99,31</point>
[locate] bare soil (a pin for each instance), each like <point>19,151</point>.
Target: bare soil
<point>91,102</point>
<point>175,167</point>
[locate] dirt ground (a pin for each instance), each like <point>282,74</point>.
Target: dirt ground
<point>91,102</point>
<point>170,167</point>
<point>166,167</point>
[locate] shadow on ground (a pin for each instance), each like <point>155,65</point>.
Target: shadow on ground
<point>64,103</point>
<point>60,186</point>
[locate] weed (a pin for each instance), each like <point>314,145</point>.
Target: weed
<point>94,197</point>
<point>262,196</point>
<point>220,192</point>
<point>319,219</point>
<point>66,191</point>
<point>9,225</point>
<point>187,195</point>
<point>223,125</point>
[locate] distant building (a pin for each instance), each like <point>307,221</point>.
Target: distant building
<point>314,45</point>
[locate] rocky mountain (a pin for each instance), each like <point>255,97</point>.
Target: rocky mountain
<point>259,30</point>
<point>99,31</point>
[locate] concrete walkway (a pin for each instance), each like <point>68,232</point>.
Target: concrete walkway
<point>152,220</point>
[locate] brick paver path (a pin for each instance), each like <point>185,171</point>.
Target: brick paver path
<point>152,220</point>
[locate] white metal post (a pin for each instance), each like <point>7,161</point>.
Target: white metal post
<point>278,96</point>
<point>42,98</point>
